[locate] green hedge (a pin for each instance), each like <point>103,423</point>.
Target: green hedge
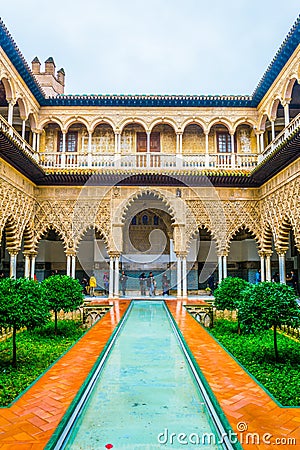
<point>256,354</point>
<point>37,350</point>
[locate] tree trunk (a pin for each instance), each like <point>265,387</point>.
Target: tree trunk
<point>55,323</point>
<point>275,343</point>
<point>14,360</point>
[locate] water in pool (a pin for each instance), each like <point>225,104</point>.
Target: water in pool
<point>146,395</point>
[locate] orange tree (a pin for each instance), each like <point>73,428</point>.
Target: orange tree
<point>21,305</point>
<point>62,293</point>
<point>228,294</point>
<point>268,305</point>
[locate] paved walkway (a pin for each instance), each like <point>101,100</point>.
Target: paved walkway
<point>246,405</point>
<point>30,421</point>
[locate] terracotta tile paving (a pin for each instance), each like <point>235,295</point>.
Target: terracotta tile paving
<point>30,422</point>
<point>243,401</point>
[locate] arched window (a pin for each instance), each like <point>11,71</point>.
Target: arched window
<point>133,221</point>
<point>145,219</point>
<point>155,220</point>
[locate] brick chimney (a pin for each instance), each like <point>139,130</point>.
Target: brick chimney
<point>52,84</point>
<point>36,66</point>
<point>61,76</point>
<point>50,66</point>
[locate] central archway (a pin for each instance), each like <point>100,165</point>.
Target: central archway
<point>148,241</point>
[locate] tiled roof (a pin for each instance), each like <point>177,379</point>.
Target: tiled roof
<point>282,56</point>
<point>18,60</point>
<point>285,51</point>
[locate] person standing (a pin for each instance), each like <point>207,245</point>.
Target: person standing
<point>84,284</point>
<point>257,277</point>
<point>165,284</point>
<point>142,280</point>
<point>123,282</point>
<point>211,283</point>
<point>294,281</point>
<point>106,283</point>
<point>150,284</point>
<point>92,284</point>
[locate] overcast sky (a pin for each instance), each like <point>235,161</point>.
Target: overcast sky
<point>153,46</point>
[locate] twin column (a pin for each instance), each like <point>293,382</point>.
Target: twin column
<point>222,266</point>
<point>114,267</point>
<point>181,276</point>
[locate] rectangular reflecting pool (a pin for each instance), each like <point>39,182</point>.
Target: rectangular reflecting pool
<point>146,395</point>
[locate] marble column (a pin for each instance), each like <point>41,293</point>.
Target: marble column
<point>268,267</point>
<point>111,277</point>
<point>32,269</point>
<point>281,260</point>
<point>262,266</point>
<point>220,268</point>
<point>117,268</point>
<point>27,265</point>
<point>224,266</point>
<point>73,265</point>
<point>286,114</point>
<point>178,276</point>
<point>13,263</point>
<point>68,265</point>
<point>10,114</point>
<point>184,277</point>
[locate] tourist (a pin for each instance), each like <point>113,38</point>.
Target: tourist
<point>92,284</point>
<point>150,284</point>
<point>294,281</point>
<point>258,277</point>
<point>123,281</point>
<point>106,283</point>
<point>211,283</point>
<point>276,278</point>
<point>142,280</point>
<point>165,284</point>
<point>84,283</point>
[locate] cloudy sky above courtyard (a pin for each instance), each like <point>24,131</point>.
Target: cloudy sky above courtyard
<point>153,46</point>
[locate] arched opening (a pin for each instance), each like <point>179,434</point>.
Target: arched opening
<point>92,257</point>
<point>103,140</point>
<point>51,257</point>
<point>279,125</point>
<point>3,101</point>
<point>286,240</point>
<point>148,242</point>
<point>9,246</point>
<point>246,146</point>
<point>294,106</point>
<point>206,257</point>
<point>193,140</point>
<point>243,258</point>
<point>49,155</point>
<point>225,146</point>
<point>163,139</point>
<point>19,115</point>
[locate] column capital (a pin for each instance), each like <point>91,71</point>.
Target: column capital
<point>11,101</point>
<point>29,253</point>
<point>262,253</point>
<point>13,251</point>
<point>181,254</point>
<point>286,101</point>
<point>114,254</point>
<point>223,253</point>
<point>281,251</point>
<point>70,252</point>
